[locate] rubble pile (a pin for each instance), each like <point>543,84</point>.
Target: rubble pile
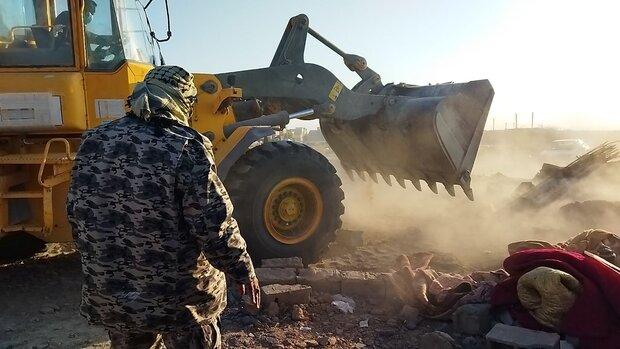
<point>520,307</point>
<point>590,213</point>
<point>408,300</point>
<point>553,182</point>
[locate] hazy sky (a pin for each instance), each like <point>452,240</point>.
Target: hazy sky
<point>559,59</point>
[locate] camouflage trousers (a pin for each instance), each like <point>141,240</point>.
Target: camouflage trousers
<point>206,336</point>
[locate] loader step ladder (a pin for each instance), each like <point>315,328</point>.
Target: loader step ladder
<point>61,165</point>
<point>25,194</point>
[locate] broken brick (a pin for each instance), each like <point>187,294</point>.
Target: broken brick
<point>324,280</point>
<point>285,294</point>
<point>291,262</point>
<point>363,284</point>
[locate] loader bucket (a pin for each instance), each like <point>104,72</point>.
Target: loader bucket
<point>422,133</point>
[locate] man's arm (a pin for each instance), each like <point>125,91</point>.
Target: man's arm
<point>207,210</point>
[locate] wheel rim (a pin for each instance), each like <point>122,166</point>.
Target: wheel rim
<point>293,210</point>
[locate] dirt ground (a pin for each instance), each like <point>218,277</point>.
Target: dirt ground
<point>39,297</point>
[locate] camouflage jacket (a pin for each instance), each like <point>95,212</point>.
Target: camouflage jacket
<point>152,222</point>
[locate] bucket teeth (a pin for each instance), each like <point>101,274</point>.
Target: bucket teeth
<point>469,193</point>
<point>416,184</point>
<point>433,186</point>
<point>449,189</point>
<point>401,181</point>
<point>387,179</point>
<point>373,176</point>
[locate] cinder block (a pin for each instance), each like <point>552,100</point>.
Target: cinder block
<point>285,294</point>
<point>292,262</point>
<point>324,280</point>
<point>269,276</point>
<point>363,284</point>
<point>503,336</point>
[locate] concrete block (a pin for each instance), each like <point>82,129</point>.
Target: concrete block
<point>504,336</point>
<point>292,262</point>
<point>473,319</point>
<point>323,280</point>
<point>285,294</point>
<point>269,276</point>
<point>363,284</point>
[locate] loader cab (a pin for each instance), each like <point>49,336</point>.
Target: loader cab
<point>65,66</point>
<point>115,32</point>
<point>68,65</point>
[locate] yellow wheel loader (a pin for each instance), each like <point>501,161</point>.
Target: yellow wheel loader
<point>68,65</point>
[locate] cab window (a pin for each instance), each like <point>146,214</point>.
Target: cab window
<point>104,48</point>
<point>137,42</point>
<point>35,33</point>
<point>115,31</point>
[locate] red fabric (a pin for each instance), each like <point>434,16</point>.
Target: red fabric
<point>595,316</point>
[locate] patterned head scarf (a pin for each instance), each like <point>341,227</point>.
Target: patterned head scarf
<point>166,92</point>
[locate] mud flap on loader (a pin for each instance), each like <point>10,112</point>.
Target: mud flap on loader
<point>428,133</point>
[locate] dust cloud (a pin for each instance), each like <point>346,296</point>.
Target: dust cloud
<point>477,233</point>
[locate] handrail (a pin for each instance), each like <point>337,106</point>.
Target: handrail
<point>46,153</point>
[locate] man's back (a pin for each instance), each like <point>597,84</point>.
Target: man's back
<point>137,252</point>
<point>153,223</point>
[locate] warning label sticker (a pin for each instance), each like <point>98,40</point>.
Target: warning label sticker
<point>335,92</point>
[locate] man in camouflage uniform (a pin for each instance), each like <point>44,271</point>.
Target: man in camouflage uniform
<point>152,222</point>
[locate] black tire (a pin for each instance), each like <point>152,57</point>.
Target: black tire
<point>19,246</point>
<point>257,172</point>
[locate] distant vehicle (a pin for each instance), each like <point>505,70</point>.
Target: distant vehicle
<point>563,151</point>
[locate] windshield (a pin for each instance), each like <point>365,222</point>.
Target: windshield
<point>35,33</point>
